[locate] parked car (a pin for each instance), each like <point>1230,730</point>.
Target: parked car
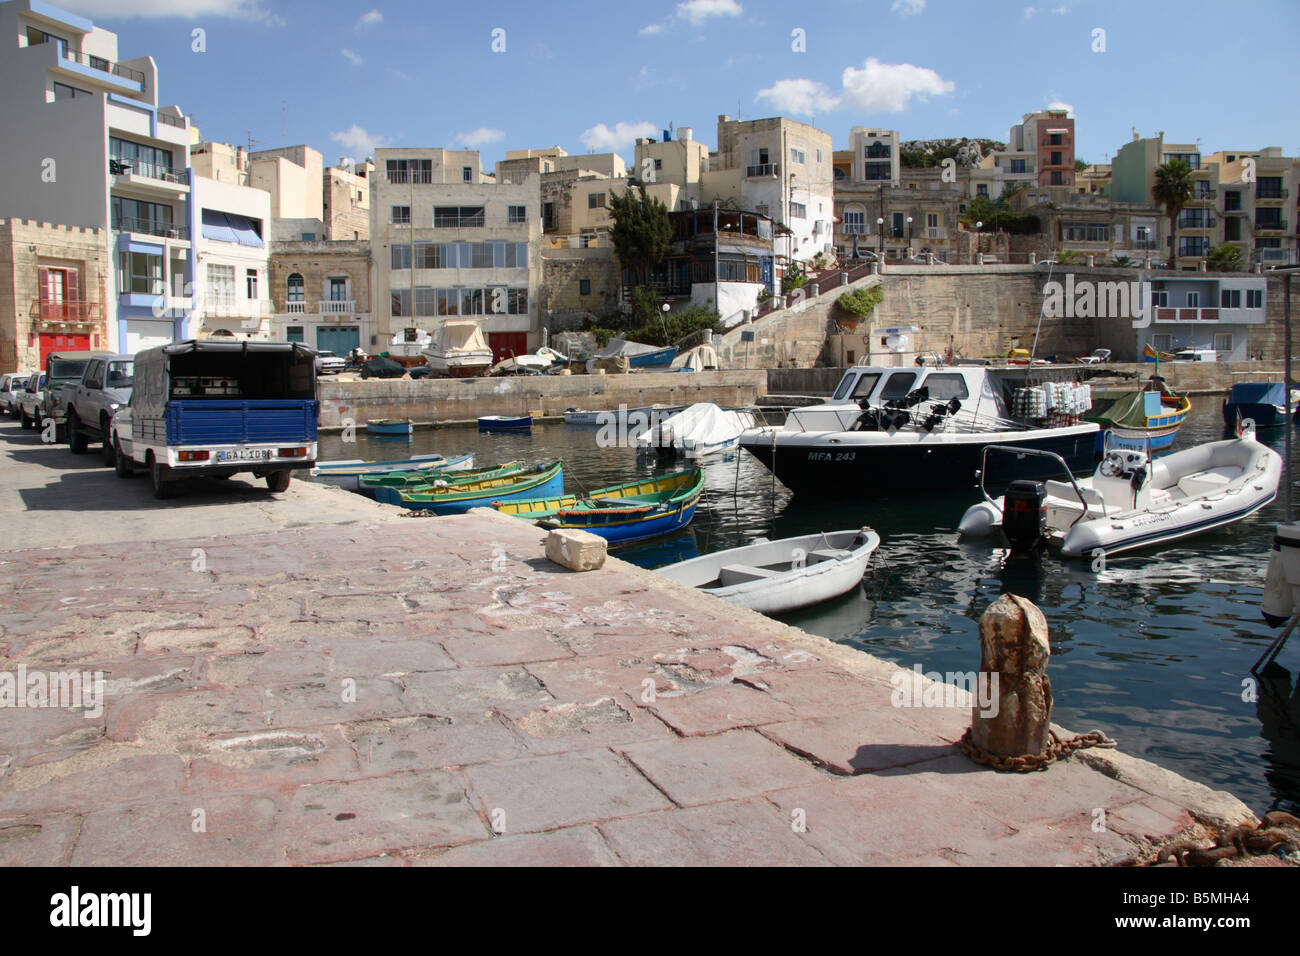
<point>91,403</point>
<point>328,363</point>
<point>30,397</point>
<point>213,408</point>
<point>380,367</point>
<point>1098,357</point>
<point>10,384</point>
<point>62,368</point>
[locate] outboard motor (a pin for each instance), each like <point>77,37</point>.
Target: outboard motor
<point>1024,515</point>
<point>1282,583</point>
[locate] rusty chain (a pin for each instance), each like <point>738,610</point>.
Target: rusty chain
<point>1057,749</point>
<point>1274,833</point>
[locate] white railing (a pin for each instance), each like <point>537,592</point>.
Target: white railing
<point>295,308</point>
<point>337,306</point>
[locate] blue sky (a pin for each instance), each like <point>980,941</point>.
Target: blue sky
<point>591,76</point>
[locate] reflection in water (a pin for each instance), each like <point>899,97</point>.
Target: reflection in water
<point>1152,649</point>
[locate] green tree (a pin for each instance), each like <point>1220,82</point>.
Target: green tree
<point>1225,258</point>
<point>1080,165</point>
<point>1173,189</point>
<point>642,232</point>
<point>860,303</point>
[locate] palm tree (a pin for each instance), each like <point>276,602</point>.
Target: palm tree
<point>1173,189</point>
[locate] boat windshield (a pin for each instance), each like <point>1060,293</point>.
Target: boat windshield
<point>865,385</point>
<point>898,385</point>
<point>944,386</point>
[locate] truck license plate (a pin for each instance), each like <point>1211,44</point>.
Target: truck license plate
<point>245,454</point>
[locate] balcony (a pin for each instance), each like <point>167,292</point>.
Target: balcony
<point>936,232</point>
<point>337,307</point>
<point>1205,195</point>
<point>763,171</point>
<point>1271,195</point>
<point>854,229</point>
<point>295,308</point>
<point>150,227</point>
<point>149,175</point>
<point>66,311</point>
<point>106,66</point>
<point>1187,315</point>
<point>168,120</point>
<point>1270,225</point>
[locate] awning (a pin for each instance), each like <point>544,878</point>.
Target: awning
<point>230,227</point>
<point>126,244</point>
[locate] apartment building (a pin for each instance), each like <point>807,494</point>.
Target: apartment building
<point>320,294</point>
<point>1205,312</point>
<point>87,145</point>
<point>784,170</point>
<point>450,241</point>
<point>1040,152</point>
<point>233,261</point>
<point>1259,203</point>
<point>220,162</point>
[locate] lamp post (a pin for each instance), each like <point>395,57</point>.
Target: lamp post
<point>664,319</point>
<point>880,228</point>
<point>909,237</point>
<point>979,239</point>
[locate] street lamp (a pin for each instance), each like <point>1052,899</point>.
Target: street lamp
<point>979,239</point>
<point>664,319</point>
<point>880,228</point>
<point>909,237</point>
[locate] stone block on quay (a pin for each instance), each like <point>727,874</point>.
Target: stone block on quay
<point>576,550</point>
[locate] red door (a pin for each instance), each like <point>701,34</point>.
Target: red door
<point>63,342</point>
<point>507,345</point>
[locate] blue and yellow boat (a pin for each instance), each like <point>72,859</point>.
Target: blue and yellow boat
<point>1146,419</point>
<point>418,479</point>
<point>540,480</point>
<point>620,514</point>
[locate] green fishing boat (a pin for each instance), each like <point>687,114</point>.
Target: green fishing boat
<point>540,480</point>
<point>415,479</point>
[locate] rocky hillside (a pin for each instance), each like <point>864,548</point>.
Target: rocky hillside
<point>920,153</point>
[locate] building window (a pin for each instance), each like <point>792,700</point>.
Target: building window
<point>135,215</point>
<point>293,333</point>
<point>400,302</point>
<point>294,290</point>
<point>932,220</point>
<point>798,156</point>
<point>819,155</point>
<point>221,286</point>
<point>1160,298</point>
<point>250,284</point>
<point>1223,341</point>
<point>467,174</point>
<point>1058,179</point>
<point>401,256</point>
<point>1268,187</point>
<point>1162,341</point>
<point>1054,139</point>
<point>141,274</point>
<point>1193,245</point>
<point>309,237</point>
<point>1254,298</point>
<point>64,92</point>
<point>596,201</point>
<point>401,216</point>
<point>877,151</point>
<point>457,216</point>
<point>419,171</point>
<point>854,224</point>
<point>798,210</point>
<point>548,217</point>
<point>136,157</point>
<point>1232,200</point>
<point>1193,300</point>
<point>1018,166</point>
<point>517,214</point>
<point>584,287</point>
<point>1086,232</point>
<point>981,189</point>
<point>1230,298</point>
<point>338,288</point>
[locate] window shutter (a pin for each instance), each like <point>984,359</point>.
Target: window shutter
<point>70,290</point>
<point>43,284</point>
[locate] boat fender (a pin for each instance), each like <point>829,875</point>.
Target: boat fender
<point>930,422</point>
<point>1277,605</point>
<point>954,406</point>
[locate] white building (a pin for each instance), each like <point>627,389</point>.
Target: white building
<point>449,241</point>
<point>233,273</point>
<point>85,143</point>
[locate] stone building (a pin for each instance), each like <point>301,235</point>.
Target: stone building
<point>320,293</point>
<point>53,284</point>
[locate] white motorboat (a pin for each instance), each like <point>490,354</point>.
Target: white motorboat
<point>1132,502</point>
<point>926,427</point>
<point>542,360</point>
<point>774,577</point>
<point>407,346</point>
<point>459,349</point>
<point>698,430</point>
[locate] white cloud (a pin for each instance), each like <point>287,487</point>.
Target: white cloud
<point>353,58</point>
<point>652,28</point>
<point>1062,105</point>
<point>253,10</point>
<point>479,137</point>
<point>800,96</point>
<point>358,140</point>
<point>370,19</point>
<point>908,8</point>
<point>603,139</point>
<point>875,88</point>
<point>697,11</point>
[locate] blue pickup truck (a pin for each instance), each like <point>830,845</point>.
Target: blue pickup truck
<point>216,409</point>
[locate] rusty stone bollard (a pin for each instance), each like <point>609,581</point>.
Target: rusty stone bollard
<point>1013,654</point>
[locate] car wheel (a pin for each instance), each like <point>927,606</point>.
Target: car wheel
<point>122,465</point>
<point>26,422</point>
<point>278,481</point>
<point>106,429</point>
<point>162,488</point>
<point>76,440</point>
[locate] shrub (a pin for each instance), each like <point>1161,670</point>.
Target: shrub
<point>861,302</point>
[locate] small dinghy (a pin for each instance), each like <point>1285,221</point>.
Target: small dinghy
<point>699,430</point>
<point>505,423</point>
<point>1132,502</point>
<point>390,426</point>
<point>348,474</point>
<point>774,577</point>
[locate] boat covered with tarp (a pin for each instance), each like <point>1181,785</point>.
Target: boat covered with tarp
<point>1146,418</point>
<point>1264,403</point>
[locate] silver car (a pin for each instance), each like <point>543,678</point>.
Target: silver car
<point>10,385</point>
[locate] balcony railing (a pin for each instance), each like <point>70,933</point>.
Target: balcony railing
<point>936,232</point>
<point>1270,225</point>
<point>1274,194</point>
<point>168,120</point>
<point>66,311</point>
<point>337,306</point>
<point>99,63</point>
<point>854,229</point>
<point>1187,315</point>
<point>150,227</point>
<point>1204,195</point>
<point>295,308</point>
<point>762,169</point>
<point>131,167</point>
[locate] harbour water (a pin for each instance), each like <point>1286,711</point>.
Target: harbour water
<point>1155,649</point>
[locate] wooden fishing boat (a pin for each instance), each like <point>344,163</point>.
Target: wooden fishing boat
<point>541,480</point>
<point>505,423</point>
<point>1147,418</point>
<point>348,474</point>
<point>390,426</point>
<point>774,577</point>
<point>668,507</point>
<point>644,491</point>
<point>420,479</point>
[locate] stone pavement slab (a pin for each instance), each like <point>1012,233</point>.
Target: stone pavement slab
<point>357,689</point>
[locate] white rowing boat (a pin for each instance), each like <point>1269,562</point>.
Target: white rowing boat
<point>774,577</point>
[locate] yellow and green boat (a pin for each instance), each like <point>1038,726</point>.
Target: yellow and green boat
<point>622,513</point>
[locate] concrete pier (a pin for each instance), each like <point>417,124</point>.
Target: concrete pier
<point>313,679</point>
